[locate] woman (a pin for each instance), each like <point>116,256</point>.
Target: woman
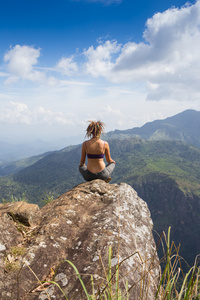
<point>95,149</point>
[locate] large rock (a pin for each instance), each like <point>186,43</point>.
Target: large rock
<point>26,213</point>
<point>80,226</point>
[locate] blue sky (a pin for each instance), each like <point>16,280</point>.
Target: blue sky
<point>125,62</point>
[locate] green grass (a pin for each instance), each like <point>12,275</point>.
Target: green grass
<point>12,261</point>
<point>13,198</point>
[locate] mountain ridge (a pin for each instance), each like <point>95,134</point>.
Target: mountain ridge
<point>183,127</point>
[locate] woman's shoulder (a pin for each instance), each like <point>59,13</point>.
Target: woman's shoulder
<point>103,142</point>
<point>106,143</point>
<point>84,143</point>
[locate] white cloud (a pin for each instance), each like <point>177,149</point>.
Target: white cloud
<point>20,113</point>
<point>20,63</point>
<point>67,66</point>
<point>15,112</point>
<point>168,60</point>
<point>100,59</point>
<point>172,43</point>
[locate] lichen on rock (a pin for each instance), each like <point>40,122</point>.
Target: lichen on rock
<point>81,226</point>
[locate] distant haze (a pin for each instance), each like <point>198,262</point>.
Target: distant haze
<point>183,126</point>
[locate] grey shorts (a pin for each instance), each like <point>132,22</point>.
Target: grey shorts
<point>104,174</point>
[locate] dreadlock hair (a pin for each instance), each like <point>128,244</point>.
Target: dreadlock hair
<point>95,129</point>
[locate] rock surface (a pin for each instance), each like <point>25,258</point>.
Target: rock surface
<point>80,226</point>
<point>27,214</point>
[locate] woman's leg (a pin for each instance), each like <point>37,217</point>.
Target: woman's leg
<point>82,169</point>
<point>110,167</point>
<point>87,175</point>
<point>106,173</point>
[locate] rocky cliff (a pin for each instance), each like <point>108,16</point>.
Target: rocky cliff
<point>79,226</point>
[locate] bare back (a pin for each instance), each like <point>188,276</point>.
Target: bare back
<point>95,146</point>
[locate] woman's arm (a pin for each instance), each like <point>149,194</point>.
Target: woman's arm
<point>107,154</point>
<point>83,155</point>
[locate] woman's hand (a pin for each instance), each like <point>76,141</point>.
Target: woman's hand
<point>112,161</point>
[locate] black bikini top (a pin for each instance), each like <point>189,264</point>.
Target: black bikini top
<point>95,155</point>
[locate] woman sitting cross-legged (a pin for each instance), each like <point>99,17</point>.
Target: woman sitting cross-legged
<point>95,149</point>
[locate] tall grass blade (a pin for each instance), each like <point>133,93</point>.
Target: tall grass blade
<point>117,280</point>
<point>38,280</point>
<point>161,282</point>
<point>192,283</point>
<point>183,286</point>
<point>168,255</point>
<point>110,273</point>
<point>92,283</point>
<point>81,281</point>
<point>170,286</point>
<point>127,293</point>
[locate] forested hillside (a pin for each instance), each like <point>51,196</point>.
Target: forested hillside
<point>164,173</point>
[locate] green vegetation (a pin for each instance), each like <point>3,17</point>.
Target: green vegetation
<point>58,171</point>
<point>13,167</point>
<point>12,260</point>
<point>15,199</point>
<point>17,251</point>
<point>55,173</point>
<point>174,286</point>
<point>48,197</point>
<point>178,161</point>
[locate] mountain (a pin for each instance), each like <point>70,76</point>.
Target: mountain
<point>55,173</point>
<point>16,166</point>
<point>164,173</point>
<point>184,127</point>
